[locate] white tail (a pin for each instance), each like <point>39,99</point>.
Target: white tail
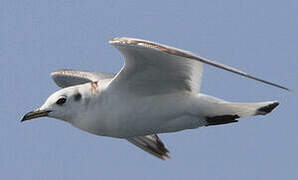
<point>218,111</point>
<point>251,109</point>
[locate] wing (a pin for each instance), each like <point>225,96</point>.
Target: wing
<point>152,68</point>
<point>151,144</point>
<point>66,77</point>
<point>149,71</point>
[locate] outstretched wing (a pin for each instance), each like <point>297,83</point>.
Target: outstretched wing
<point>66,77</point>
<point>152,68</point>
<point>149,71</point>
<point>151,144</point>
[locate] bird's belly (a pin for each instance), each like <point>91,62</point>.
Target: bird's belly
<point>129,126</point>
<point>139,117</point>
<point>160,125</point>
<point>123,128</point>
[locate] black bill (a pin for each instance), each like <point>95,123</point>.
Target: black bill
<point>35,114</point>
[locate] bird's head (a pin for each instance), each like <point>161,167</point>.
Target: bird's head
<point>63,104</point>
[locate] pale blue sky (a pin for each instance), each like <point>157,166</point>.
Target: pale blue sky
<point>259,37</point>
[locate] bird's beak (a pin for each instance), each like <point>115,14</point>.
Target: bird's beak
<point>35,114</point>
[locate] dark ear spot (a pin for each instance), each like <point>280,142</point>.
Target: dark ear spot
<point>77,96</point>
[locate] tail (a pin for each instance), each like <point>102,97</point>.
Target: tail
<point>222,112</point>
<point>239,110</point>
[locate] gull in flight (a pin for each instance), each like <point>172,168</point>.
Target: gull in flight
<point>156,91</point>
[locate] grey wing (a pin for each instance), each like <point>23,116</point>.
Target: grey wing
<point>151,144</point>
<point>152,68</point>
<point>67,77</point>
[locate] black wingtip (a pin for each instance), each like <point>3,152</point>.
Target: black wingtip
<point>223,119</point>
<point>267,109</point>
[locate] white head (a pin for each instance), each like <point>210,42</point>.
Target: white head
<point>63,104</point>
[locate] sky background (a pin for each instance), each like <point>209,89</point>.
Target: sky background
<point>259,37</point>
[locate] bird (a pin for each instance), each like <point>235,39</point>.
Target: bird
<point>156,91</point>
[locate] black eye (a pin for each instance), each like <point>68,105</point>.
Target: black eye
<point>61,101</point>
